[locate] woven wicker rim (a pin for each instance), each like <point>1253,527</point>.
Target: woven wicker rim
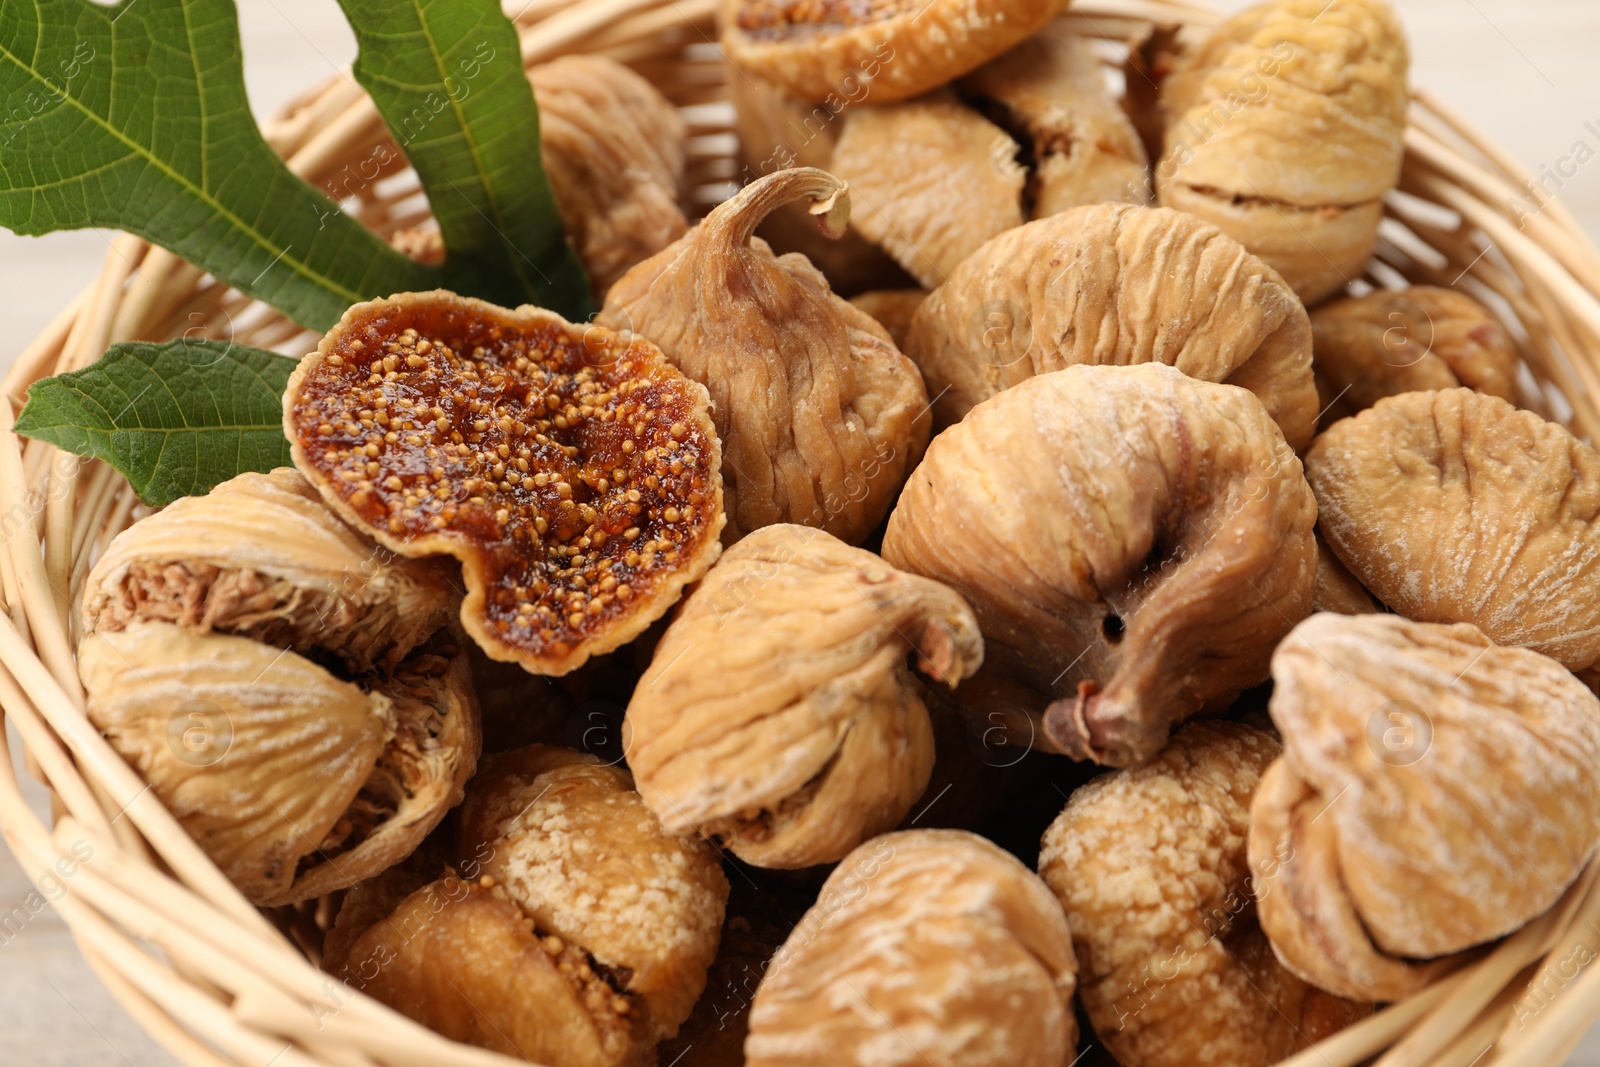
<point>220,983</point>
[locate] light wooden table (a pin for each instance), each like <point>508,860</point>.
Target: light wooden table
<point>1524,69</point>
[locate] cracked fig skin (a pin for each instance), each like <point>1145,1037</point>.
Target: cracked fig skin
<point>1454,506</point>
<point>1133,541</point>
<point>261,556</point>
<point>779,713</point>
<point>925,947</point>
<point>1095,286</point>
<point>295,783</point>
<point>1150,865</point>
<point>819,414</point>
<point>573,472</point>
<point>1436,792</point>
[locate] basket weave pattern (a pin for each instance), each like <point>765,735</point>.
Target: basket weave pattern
<point>220,983</point>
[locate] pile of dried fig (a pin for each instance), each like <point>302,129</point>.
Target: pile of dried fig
<point>1249,622</point>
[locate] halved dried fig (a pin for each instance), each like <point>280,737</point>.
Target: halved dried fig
<point>614,152</point>
<point>581,941</point>
<point>1079,145</point>
<point>1285,129</point>
<point>574,472</point>
<point>1491,754</point>
<point>1134,543</point>
<point>1096,285</point>
<point>1150,865</point>
<point>925,946</point>
<point>883,51</point>
<point>779,715</point>
<point>1454,506</point>
<point>819,415</point>
<point>261,556</point>
<point>294,782</point>
<point>932,180</point>
<point>1386,343</point>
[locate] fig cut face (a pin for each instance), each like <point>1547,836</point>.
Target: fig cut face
<point>571,470</point>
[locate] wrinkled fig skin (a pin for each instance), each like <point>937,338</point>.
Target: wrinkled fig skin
<point>1454,506</point>
<point>1094,286</point>
<point>1386,343</point>
<point>877,52</point>
<point>614,153</point>
<point>1049,91</point>
<point>295,783</point>
<point>1493,756</point>
<point>779,712</point>
<point>1337,590</point>
<point>1133,541</point>
<point>820,416</point>
<point>924,947</point>
<point>909,164</point>
<point>580,937</point>
<point>1185,978</point>
<point>1285,130</point>
<point>261,556</point>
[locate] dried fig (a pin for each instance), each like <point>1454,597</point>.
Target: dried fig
<point>1095,285</point>
<point>261,556</point>
<point>925,947</point>
<point>1454,506</point>
<point>1435,793</point>
<point>295,783</point>
<point>793,732</point>
<point>1134,543</point>
<point>910,165</point>
<point>1285,130</point>
<point>1150,865</point>
<point>1386,343</point>
<point>819,415</point>
<point>879,52</point>
<point>1080,147</point>
<point>1337,589</point>
<point>892,308</point>
<point>583,942</point>
<point>573,472</point>
<point>614,152</point>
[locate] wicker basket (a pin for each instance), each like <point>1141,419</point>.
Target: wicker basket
<point>219,982</point>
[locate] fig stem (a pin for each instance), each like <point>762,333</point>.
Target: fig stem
<point>734,221</point>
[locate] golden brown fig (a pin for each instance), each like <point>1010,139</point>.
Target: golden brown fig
<point>1150,865</point>
<point>1337,589</point>
<point>1133,541</point>
<point>261,556</point>
<point>925,946</point>
<point>574,472</point>
<point>295,783</point>
<point>613,149</point>
<point>931,179</point>
<point>1386,343</point>
<point>779,715</point>
<point>1095,285</point>
<point>819,415</point>
<point>1454,506</point>
<point>1079,145</point>
<point>1285,130</point>
<point>892,308</point>
<point>883,51</point>
<point>1491,754</point>
<point>582,941</point>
